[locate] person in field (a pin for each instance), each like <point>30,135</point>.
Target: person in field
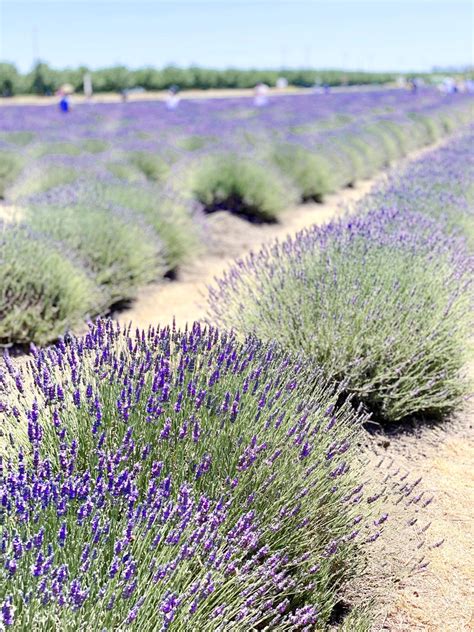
<point>172,100</point>
<point>261,94</point>
<point>64,103</point>
<point>63,93</point>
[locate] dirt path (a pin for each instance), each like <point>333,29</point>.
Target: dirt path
<point>441,599</point>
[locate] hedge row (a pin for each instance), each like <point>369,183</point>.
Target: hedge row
<point>116,212</point>
<point>46,80</point>
<point>381,299</point>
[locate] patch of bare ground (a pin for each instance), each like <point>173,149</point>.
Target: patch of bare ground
<point>11,214</point>
<point>441,598</point>
<point>419,575</point>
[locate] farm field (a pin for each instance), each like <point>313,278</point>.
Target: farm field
<point>144,179</point>
<point>277,457</point>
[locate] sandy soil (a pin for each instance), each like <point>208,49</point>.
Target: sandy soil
<point>11,214</point>
<point>441,599</point>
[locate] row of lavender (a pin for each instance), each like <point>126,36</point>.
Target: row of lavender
<point>381,299</point>
<point>186,480</point>
<point>110,197</point>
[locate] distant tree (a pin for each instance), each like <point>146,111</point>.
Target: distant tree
<point>43,79</point>
<point>10,80</point>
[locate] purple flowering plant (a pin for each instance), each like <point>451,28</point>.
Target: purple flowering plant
<point>143,172</point>
<point>176,480</point>
<point>43,290</point>
<point>380,299</point>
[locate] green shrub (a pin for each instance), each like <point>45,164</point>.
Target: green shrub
<point>40,179</point>
<point>205,470</point>
<point>397,132</point>
<point>119,252</point>
<point>60,148</point>
<point>240,185</point>
<point>311,173</point>
<point>153,167</point>
<point>389,145</point>
<point>170,218</point>
<point>20,138</point>
<point>358,167</point>
<point>10,167</point>
<point>125,171</point>
<point>194,143</point>
<point>95,145</point>
<point>381,309</point>
<point>431,126</point>
<point>42,292</point>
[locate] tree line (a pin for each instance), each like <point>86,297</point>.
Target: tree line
<point>43,79</point>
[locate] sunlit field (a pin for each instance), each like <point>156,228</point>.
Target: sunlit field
<point>106,198</point>
<point>221,476</point>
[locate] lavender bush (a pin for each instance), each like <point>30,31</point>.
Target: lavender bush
<point>440,186</point>
<point>10,167</point>
<point>153,167</point>
<point>42,292</point>
<point>168,213</point>
<point>176,480</point>
<point>242,185</point>
<point>121,254</point>
<point>38,178</point>
<point>311,173</point>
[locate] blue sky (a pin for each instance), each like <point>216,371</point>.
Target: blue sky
<point>374,35</point>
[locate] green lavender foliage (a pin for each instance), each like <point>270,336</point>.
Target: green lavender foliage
<point>241,185</point>
<point>10,167</point>
<point>42,292</point>
<point>121,254</point>
<point>153,166</point>
<point>170,217</point>
<point>311,172</point>
<point>388,319</point>
<point>38,179</point>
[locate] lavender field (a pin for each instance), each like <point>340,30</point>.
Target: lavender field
<point>216,478</point>
<point>104,199</point>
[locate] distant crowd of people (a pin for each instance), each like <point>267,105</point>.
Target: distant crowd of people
<point>448,85</point>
